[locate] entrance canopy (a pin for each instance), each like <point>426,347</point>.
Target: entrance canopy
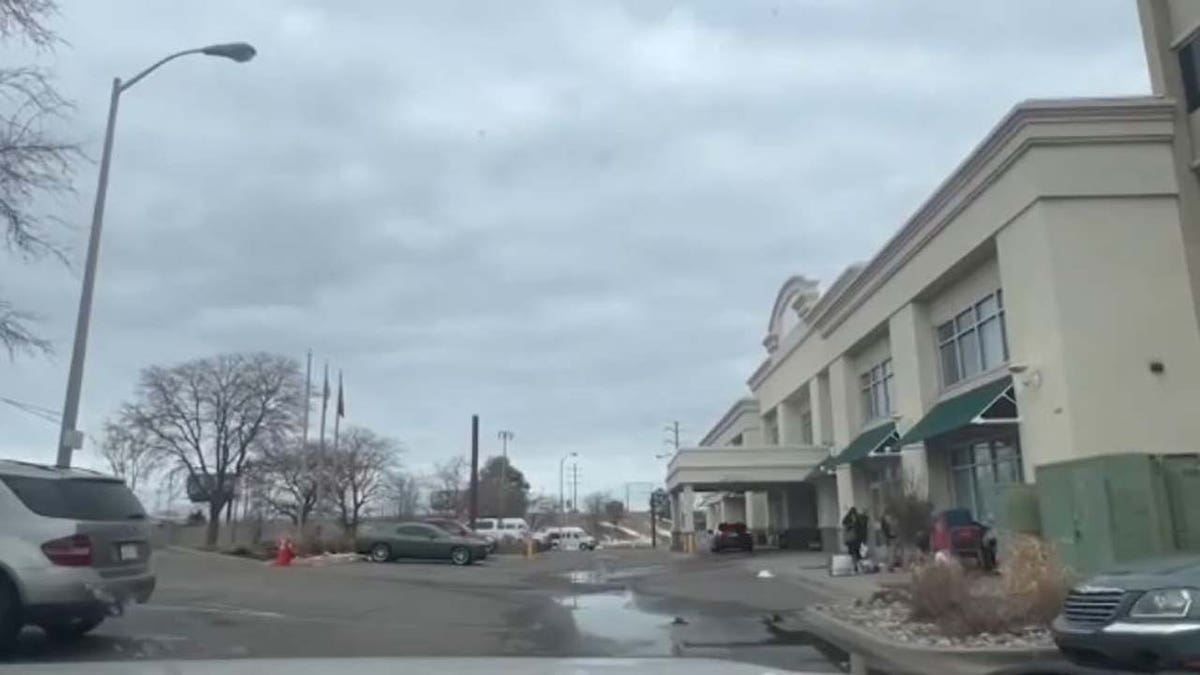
<point>991,403</point>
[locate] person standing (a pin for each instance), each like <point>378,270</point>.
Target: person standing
<point>861,531</point>
<point>850,536</point>
<point>887,527</point>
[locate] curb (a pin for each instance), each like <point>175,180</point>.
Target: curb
<point>208,554</point>
<point>902,657</point>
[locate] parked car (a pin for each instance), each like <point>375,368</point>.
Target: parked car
<point>1143,616</point>
<point>502,529</point>
<point>74,547</point>
<point>388,541</point>
<point>460,529</point>
<point>570,538</point>
<point>733,536</point>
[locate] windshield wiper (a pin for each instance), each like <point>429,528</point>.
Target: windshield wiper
<point>136,516</point>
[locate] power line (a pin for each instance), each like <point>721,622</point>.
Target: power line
<point>37,411</point>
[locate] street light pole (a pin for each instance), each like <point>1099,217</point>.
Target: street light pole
<point>70,438</point>
<point>561,500</point>
<point>505,437</point>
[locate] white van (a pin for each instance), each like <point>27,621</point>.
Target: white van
<point>502,529</point>
<point>570,539</point>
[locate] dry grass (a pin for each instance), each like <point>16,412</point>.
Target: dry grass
<point>1034,578</point>
<point>1030,592</point>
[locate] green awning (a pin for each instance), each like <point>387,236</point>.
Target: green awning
<point>870,441</point>
<point>992,403</point>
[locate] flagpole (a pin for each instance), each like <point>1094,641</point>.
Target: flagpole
<point>304,435</point>
<point>321,444</point>
<point>337,416</point>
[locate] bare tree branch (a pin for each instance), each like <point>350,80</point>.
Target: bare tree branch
<point>33,162</point>
<point>130,452</point>
<point>210,415</point>
<point>25,19</point>
<point>361,473</point>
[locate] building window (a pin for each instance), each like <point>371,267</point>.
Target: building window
<point>876,388</point>
<point>806,427</point>
<point>1189,67</point>
<point>977,470</point>
<point>973,342</point>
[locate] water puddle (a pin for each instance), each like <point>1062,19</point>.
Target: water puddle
<point>612,620</point>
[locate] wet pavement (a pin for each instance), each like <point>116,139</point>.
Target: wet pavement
<point>613,620</point>
<point>564,604</point>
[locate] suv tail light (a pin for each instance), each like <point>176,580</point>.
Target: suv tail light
<point>72,551</point>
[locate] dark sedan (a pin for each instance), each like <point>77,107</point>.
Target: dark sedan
<point>387,541</point>
<point>1144,616</point>
<point>733,536</point>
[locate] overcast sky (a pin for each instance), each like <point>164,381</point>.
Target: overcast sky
<point>569,217</point>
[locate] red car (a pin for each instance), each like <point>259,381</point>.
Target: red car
<point>732,536</point>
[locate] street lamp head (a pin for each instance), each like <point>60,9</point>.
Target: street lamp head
<point>238,51</point>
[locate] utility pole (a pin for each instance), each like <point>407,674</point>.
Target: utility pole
<point>505,437</point>
<point>672,438</point>
<point>304,435</point>
<point>474,510</point>
<point>575,488</point>
<point>562,507</point>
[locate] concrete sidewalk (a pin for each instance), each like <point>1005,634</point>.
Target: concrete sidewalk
<point>810,569</point>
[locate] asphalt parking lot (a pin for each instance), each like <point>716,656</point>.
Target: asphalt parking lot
<point>603,603</point>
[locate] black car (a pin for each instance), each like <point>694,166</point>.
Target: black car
<point>732,536</point>
<point>1144,615</point>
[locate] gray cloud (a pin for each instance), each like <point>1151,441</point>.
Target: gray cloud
<point>570,218</point>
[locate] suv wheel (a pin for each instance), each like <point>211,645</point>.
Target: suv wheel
<point>10,615</point>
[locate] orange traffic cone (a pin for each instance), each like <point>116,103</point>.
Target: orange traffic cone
<point>285,554</point>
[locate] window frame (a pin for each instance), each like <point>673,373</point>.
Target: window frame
<point>964,461</point>
<point>876,390</point>
<point>965,330</point>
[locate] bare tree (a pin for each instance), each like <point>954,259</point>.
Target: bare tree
<point>33,163</point>
<point>405,493</point>
<point>288,478</point>
<point>594,507</point>
<point>449,496</point>
<point>615,510</point>
<point>360,473</point>
<point>131,452</point>
<point>209,414</point>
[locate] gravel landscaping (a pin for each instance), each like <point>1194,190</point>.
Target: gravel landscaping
<point>890,620</point>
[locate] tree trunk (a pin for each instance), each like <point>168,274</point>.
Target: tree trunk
<point>214,525</point>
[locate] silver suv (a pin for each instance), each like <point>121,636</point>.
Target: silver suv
<point>74,547</point>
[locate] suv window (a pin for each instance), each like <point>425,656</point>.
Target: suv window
<point>76,499</point>
<point>485,525</point>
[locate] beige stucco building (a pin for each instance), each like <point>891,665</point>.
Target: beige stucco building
<point>1041,305</point>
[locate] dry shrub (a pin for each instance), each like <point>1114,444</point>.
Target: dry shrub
<point>1034,578</point>
<point>1030,592</point>
<point>936,589</point>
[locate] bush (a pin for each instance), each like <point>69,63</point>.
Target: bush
<point>1030,592</point>
<point>1034,578</point>
<point>910,513</point>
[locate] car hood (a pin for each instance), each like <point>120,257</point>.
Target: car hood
<point>389,666</point>
<point>1143,575</point>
